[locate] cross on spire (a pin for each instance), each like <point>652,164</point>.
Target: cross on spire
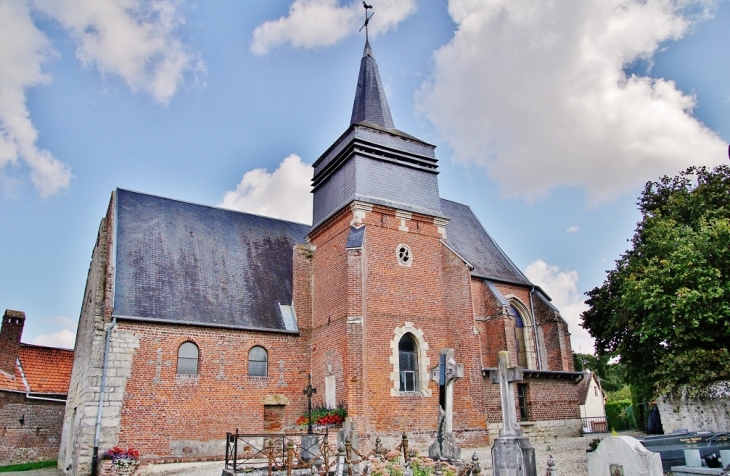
<point>367,19</point>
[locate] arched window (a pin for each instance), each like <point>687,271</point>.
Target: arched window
<point>258,362</point>
<point>187,359</point>
<point>408,363</point>
<point>520,338</point>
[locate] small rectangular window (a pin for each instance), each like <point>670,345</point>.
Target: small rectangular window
<point>407,381</point>
<point>522,401</point>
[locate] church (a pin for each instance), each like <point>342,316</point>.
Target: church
<point>197,320</point>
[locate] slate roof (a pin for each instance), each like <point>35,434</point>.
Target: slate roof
<point>42,370</point>
<point>178,262</point>
<point>470,240</point>
<point>370,102</point>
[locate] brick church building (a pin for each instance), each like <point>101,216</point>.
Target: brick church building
<point>198,320</point>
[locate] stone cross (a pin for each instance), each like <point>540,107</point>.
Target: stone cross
<point>505,376</point>
<point>309,391</point>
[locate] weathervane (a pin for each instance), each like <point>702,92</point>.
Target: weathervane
<point>367,19</point>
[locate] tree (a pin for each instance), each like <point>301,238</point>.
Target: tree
<point>665,307</point>
<point>611,374</point>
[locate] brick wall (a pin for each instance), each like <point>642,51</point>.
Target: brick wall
<point>77,438</point>
<point>12,329</point>
<point>37,438</point>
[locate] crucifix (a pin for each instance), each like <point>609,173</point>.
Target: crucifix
<point>309,391</point>
<point>506,377</point>
<point>367,19</point>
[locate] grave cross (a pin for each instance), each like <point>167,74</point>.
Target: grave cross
<point>506,377</point>
<point>309,391</point>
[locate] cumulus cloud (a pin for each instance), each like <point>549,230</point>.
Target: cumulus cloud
<point>562,286</point>
<point>284,193</point>
<point>64,339</point>
<point>132,39</point>
<point>537,94</point>
<point>572,229</point>
<point>23,49</point>
<point>316,23</point>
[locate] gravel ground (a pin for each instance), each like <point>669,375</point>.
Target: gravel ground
<point>569,454</point>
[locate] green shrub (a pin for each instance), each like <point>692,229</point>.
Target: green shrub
<point>620,415</point>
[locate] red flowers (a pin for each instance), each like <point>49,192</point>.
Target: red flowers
<point>118,453</point>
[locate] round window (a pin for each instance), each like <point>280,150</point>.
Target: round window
<point>403,252</point>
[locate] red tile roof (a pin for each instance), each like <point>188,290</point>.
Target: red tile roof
<point>16,384</point>
<point>46,369</point>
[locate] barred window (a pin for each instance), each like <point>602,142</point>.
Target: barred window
<point>408,363</point>
<point>258,362</point>
<point>187,359</point>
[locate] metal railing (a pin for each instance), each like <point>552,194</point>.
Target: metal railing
<point>595,425</point>
<point>269,453</point>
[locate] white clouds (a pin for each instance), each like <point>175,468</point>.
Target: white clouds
<point>282,194</point>
<point>562,286</point>
<point>535,92</point>
<point>132,39</point>
<point>316,23</point>
<point>63,338</point>
<point>23,48</point>
<point>572,229</point>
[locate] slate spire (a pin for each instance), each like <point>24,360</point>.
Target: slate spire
<point>370,102</point>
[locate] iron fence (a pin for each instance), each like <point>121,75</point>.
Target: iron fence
<point>595,425</point>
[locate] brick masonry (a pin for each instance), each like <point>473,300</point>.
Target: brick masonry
<point>352,306</point>
<point>35,439</point>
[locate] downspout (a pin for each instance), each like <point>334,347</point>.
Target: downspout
<point>95,457</point>
<point>534,331</point>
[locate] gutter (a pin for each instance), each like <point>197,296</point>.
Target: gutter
<point>95,454</point>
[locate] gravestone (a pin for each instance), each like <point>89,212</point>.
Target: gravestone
<point>446,373</point>
<point>512,453</point>
<point>623,456</point>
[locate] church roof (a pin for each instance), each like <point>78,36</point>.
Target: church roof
<point>370,104</point>
<point>466,235</point>
<point>178,262</point>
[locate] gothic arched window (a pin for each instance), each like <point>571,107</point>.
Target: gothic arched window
<point>187,359</point>
<point>408,363</point>
<point>520,338</point>
<point>258,362</point>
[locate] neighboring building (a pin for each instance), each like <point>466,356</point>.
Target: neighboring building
<point>211,320</point>
<point>592,401</point>
<point>33,386</point>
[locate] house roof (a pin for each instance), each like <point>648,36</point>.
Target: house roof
<point>466,235</point>
<point>42,370</point>
<point>585,386</point>
<point>183,263</point>
<point>46,369</point>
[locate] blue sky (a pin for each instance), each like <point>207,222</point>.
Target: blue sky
<point>548,117</point>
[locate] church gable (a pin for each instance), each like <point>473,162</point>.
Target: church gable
<point>182,263</point>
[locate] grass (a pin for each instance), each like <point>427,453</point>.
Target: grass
<point>28,466</point>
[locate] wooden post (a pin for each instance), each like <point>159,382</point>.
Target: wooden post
<point>271,455</point>
<point>348,455</point>
<point>289,457</point>
<point>325,454</point>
